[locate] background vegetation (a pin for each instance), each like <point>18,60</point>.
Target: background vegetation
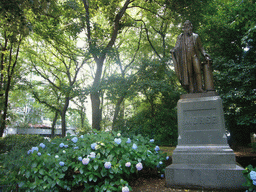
<point>116,54</point>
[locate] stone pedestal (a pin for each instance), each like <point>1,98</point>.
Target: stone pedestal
<point>202,158</point>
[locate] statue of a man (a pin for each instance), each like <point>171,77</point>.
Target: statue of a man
<point>186,58</point>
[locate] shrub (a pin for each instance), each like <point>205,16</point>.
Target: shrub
<point>93,162</point>
<point>250,175</point>
<point>163,126</point>
<point>13,156</point>
<point>254,146</point>
<point>18,142</point>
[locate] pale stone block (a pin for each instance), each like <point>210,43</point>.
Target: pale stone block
<point>202,158</point>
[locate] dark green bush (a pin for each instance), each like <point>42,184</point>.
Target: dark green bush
<point>13,150</point>
<point>254,146</point>
<point>17,142</point>
<point>162,127</point>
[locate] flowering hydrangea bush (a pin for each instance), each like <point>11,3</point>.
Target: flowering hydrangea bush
<point>125,189</point>
<point>107,165</point>
<point>139,166</point>
<point>93,162</point>
<point>250,175</point>
<point>42,145</point>
<point>128,164</point>
<point>118,141</point>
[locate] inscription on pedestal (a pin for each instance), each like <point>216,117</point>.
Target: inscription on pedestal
<point>200,121</point>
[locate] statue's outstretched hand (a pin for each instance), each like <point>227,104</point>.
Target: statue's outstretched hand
<point>207,57</point>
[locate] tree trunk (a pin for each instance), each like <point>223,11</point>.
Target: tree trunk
<point>117,110</point>
<point>95,95</point>
<point>3,117</point>
<point>6,89</point>
<point>2,96</point>
<point>99,59</point>
<point>63,117</point>
<point>54,123</point>
<point>96,111</point>
<point>1,129</point>
<point>6,95</point>
<point>82,116</point>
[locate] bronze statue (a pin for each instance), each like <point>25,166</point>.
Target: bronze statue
<point>186,58</point>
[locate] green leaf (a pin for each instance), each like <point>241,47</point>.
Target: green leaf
<point>115,170</point>
<point>110,157</point>
<point>91,177</point>
<point>33,185</point>
<point>65,168</point>
<point>111,176</point>
<point>53,183</point>
<point>107,151</point>
<point>21,184</point>
<point>81,170</point>
<point>95,167</point>
<point>41,171</point>
<point>27,174</point>
<point>35,170</point>
<point>103,172</point>
<point>45,178</point>
<point>61,176</point>
<point>34,164</point>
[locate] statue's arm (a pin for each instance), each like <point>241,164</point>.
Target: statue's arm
<point>176,45</point>
<point>202,50</point>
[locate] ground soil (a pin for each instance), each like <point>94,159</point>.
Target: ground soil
<point>146,183</point>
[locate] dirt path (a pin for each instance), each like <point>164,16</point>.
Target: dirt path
<point>156,185</point>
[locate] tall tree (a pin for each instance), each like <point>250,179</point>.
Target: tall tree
<point>112,13</point>
<point>229,30</point>
<point>14,28</point>
<point>59,71</point>
<point>155,18</point>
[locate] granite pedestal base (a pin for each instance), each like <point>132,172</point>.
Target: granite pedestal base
<point>202,158</point>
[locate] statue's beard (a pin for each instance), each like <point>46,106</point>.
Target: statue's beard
<point>188,32</point>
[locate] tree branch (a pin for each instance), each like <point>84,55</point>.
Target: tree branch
<point>116,28</point>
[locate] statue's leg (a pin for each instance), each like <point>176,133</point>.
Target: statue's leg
<point>191,86</point>
<point>190,75</point>
<point>197,70</point>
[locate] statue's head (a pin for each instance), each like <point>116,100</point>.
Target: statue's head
<point>187,27</point>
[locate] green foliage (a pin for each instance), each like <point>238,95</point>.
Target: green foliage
<point>60,164</point>
<point>254,146</point>
<point>163,127</point>
<point>15,26</point>
<point>236,84</point>
<point>13,156</point>
<point>77,118</point>
<point>228,28</point>
<point>19,142</point>
<point>155,114</point>
<point>10,165</point>
<point>249,183</point>
<point>224,25</point>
